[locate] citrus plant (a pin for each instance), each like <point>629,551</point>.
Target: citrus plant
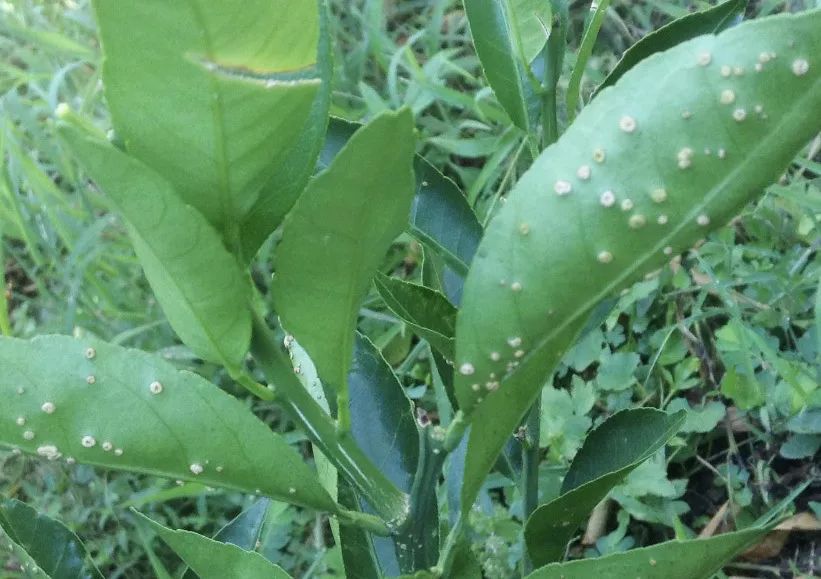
<point>221,139</point>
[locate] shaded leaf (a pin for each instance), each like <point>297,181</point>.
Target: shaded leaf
<point>712,20</point>
<point>426,311</point>
<point>56,550</point>
<point>124,409</point>
<point>199,284</point>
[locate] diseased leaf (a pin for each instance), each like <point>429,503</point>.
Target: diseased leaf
<point>215,112</point>
<point>648,168</point>
<point>693,559</point>
<point>497,38</point>
<point>336,236</point>
<point>199,284</point>
<point>99,404</point>
<point>56,550</point>
<point>712,20</point>
<point>211,559</point>
<point>608,455</point>
<point>428,313</point>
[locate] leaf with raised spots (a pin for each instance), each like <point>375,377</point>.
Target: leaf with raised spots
<point>692,559</point>
<point>49,544</point>
<point>428,313</point>
<point>118,408</point>
<point>647,169</point>
<point>610,453</point>
<point>494,25</point>
<point>337,235</point>
<point>712,20</point>
<point>199,284</point>
<point>216,113</point>
<point>210,559</point>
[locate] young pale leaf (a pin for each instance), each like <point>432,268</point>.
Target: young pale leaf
<point>712,20</point>
<point>426,311</point>
<point>649,167</point>
<point>693,559</point>
<point>56,550</point>
<point>497,35</point>
<point>210,559</point>
<point>336,236</point>
<point>609,454</point>
<point>199,284</point>
<point>214,111</point>
<point>99,404</point>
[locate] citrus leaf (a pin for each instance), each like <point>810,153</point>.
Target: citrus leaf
<point>336,236</point>
<point>428,313</point>
<point>494,25</point>
<point>693,559</point>
<point>211,559</point>
<point>56,550</point>
<point>214,111</point>
<point>610,453</point>
<point>288,181</point>
<point>712,20</point>
<point>199,285</point>
<point>95,403</point>
<point>648,168</point>
<point>440,213</point>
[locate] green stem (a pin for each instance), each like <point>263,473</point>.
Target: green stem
<point>448,553</point>
<point>418,540</point>
<point>554,58</point>
<point>388,501</point>
<point>530,471</point>
<point>364,521</point>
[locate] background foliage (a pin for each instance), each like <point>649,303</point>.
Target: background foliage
<point>728,333</point>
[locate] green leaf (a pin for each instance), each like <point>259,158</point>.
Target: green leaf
<point>428,313</point>
<point>214,111</point>
<point>440,214</point>
<point>199,284</point>
<point>532,25</point>
<point>693,559</point>
<point>591,33</point>
<point>95,403</point>
<point>211,559</point>
<point>281,192</point>
<point>608,455</point>
<point>547,259</point>
<point>336,236</point>
<point>712,20</point>
<point>56,550</point>
<point>703,419</point>
<point>442,217</point>
<point>497,36</point>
